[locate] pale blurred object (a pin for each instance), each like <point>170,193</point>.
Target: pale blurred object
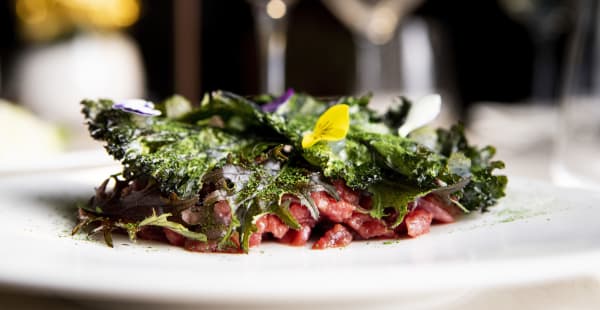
<point>417,64</point>
<point>44,20</point>
<point>76,50</point>
<point>271,18</point>
<point>522,134</point>
<point>376,20</point>
<point>577,161</point>
<point>374,25</point>
<point>51,80</point>
<point>24,136</point>
<point>32,145</point>
<point>395,51</point>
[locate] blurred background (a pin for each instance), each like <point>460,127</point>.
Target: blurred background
<point>477,53</point>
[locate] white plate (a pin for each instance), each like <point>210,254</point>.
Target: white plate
<point>538,233</point>
<point>36,163</point>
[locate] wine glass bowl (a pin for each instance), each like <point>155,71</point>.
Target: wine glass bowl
<point>375,20</point>
<point>271,17</point>
<point>577,153</point>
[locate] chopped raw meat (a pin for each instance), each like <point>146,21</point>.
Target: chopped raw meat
<point>173,237</point>
<point>436,207</point>
<point>344,217</point>
<point>302,215</point>
<point>255,239</point>
<point>210,246</point>
<point>346,193</point>
<point>297,237</point>
<point>151,233</point>
<point>368,227</point>
<point>276,227</point>
<point>268,224</point>
<point>199,246</point>
<point>222,212</point>
<point>418,222</point>
<point>336,237</point>
<point>337,211</point>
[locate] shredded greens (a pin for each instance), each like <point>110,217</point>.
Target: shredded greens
<point>178,166</point>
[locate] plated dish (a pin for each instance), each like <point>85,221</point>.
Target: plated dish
<point>522,240</point>
<point>225,175</point>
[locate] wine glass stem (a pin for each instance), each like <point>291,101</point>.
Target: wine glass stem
<point>544,70</point>
<point>272,43</point>
<point>368,64</point>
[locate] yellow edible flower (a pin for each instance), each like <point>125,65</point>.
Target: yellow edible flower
<point>332,125</point>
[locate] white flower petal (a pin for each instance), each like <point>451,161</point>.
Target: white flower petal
<point>421,112</point>
<point>137,106</point>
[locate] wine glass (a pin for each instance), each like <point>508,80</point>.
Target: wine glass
<point>577,156</point>
<point>271,17</point>
<point>374,24</point>
<point>545,20</point>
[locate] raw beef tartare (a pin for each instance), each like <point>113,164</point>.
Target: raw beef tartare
<point>234,171</point>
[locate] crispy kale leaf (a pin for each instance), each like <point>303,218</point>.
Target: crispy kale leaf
<point>175,153</point>
<point>392,196</point>
<point>485,188</point>
<point>178,152</point>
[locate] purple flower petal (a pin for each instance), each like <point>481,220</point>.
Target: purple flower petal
<point>273,105</point>
<point>137,106</point>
